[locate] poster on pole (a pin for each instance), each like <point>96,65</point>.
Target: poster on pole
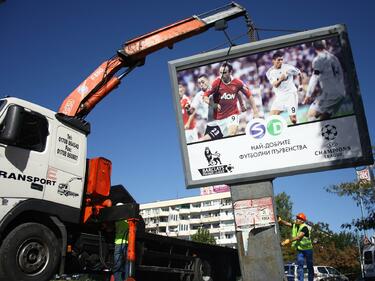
<point>253,213</point>
<point>271,108</point>
<point>365,175</point>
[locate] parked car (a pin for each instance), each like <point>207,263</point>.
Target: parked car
<point>321,273</point>
<point>369,261</point>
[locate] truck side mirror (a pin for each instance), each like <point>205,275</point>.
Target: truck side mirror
<point>10,128</point>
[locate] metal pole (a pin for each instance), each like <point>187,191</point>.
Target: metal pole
<point>361,205</point>
<point>259,247</point>
<point>360,255</point>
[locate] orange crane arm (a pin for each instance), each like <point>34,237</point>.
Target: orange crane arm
<point>103,80</point>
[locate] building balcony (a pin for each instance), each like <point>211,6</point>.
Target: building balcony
<point>184,211</point>
<point>210,208</point>
<point>226,207</point>
<point>144,215</point>
<point>184,233</point>
<point>195,221</point>
<point>230,228</point>
<point>226,217</point>
<point>214,230</point>
<point>226,241</point>
<point>195,210</point>
<point>151,225</point>
<point>210,219</point>
<point>193,231</point>
<point>173,223</point>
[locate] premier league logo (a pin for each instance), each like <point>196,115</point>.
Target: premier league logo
<point>215,166</point>
<point>213,159</point>
<point>329,132</point>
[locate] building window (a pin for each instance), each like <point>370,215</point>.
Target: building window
<point>183,227</point>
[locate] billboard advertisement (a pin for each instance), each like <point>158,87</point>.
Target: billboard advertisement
<point>275,107</point>
<point>221,188</point>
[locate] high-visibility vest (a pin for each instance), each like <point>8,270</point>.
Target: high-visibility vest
<point>303,244</point>
<point>122,230</point>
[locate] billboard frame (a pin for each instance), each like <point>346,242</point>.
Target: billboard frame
<point>263,46</point>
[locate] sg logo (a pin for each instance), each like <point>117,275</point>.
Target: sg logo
<point>273,125</point>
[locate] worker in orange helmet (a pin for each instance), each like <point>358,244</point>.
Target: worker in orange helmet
<point>301,241</point>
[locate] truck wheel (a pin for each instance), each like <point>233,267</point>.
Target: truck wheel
<point>202,270</point>
<point>30,252</point>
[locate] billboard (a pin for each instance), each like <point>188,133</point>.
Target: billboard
<point>207,190</point>
<point>276,107</point>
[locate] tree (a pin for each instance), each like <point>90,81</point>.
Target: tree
<point>203,236</point>
<point>338,250</point>
<point>284,208</point>
<point>360,192</point>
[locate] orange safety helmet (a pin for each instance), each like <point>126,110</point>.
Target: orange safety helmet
<point>301,216</point>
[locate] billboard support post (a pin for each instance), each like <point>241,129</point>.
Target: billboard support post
<point>257,231</point>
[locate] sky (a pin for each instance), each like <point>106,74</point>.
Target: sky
<point>49,47</point>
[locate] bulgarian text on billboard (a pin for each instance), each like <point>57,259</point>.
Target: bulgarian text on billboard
<point>275,107</point>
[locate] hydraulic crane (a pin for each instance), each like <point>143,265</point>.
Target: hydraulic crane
<point>133,54</point>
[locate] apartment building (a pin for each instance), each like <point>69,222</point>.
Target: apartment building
<point>182,217</point>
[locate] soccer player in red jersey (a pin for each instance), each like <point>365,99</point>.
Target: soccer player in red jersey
<point>226,91</point>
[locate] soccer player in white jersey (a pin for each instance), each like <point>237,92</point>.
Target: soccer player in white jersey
<point>205,111</point>
<point>328,72</point>
<point>281,76</point>
<point>201,108</point>
<point>188,114</point>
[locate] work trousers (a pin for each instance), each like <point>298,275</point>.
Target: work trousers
<point>120,271</point>
<point>301,256</point>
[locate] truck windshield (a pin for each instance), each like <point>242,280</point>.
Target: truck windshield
<point>2,104</point>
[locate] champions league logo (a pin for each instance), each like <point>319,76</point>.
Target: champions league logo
<point>214,163</point>
<point>332,150</point>
<point>329,132</point>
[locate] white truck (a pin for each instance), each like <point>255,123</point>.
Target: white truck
<point>369,262</point>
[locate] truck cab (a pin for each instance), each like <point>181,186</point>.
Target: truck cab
<point>43,188</point>
<point>43,157</point>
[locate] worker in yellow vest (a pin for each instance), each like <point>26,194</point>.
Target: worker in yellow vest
<point>301,241</point>
<point>121,245</point>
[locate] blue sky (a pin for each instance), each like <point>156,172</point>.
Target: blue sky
<point>49,47</point>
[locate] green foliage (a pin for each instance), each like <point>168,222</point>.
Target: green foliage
<point>338,250</point>
<point>284,208</point>
<point>203,236</point>
<point>358,191</point>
